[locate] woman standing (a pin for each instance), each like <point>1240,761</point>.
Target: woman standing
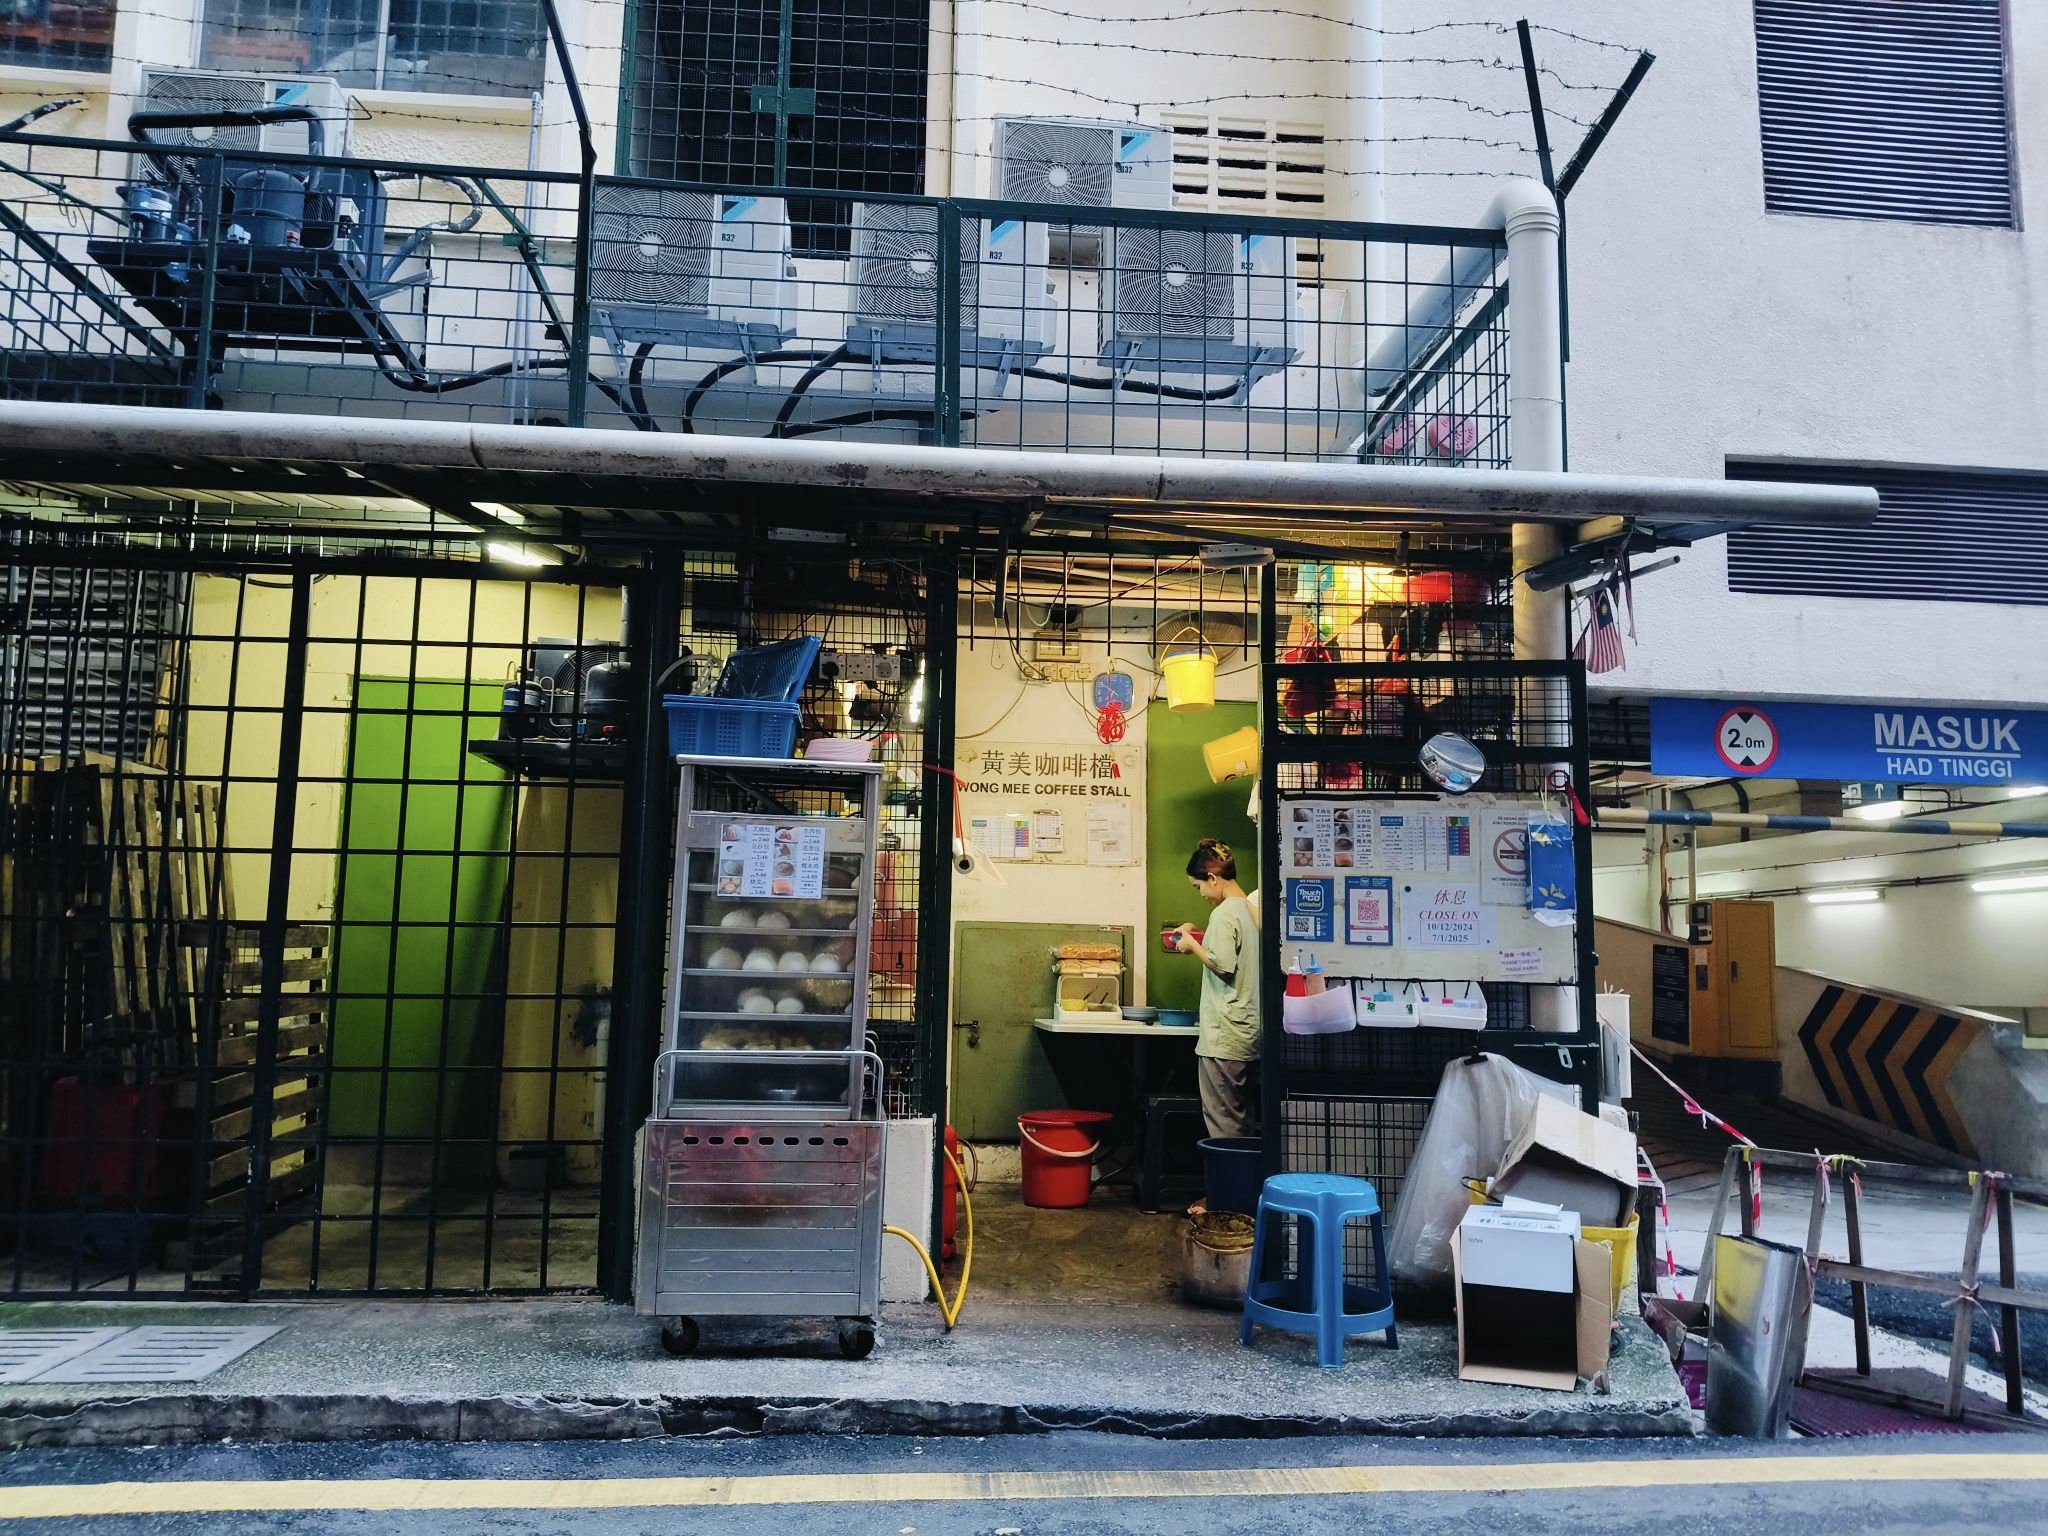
<point>1228,1040</point>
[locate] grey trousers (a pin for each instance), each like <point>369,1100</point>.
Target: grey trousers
<point>1228,1108</point>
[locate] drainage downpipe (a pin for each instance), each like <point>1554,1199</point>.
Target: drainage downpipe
<point>1528,215</point>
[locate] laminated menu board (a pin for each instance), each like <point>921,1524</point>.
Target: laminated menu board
<point>1429,888</point>
<point>759,860</point>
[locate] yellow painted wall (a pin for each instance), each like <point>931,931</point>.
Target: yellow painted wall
<point>367,626</point>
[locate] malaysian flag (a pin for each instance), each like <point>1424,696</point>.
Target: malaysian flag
<point>1599,645</point>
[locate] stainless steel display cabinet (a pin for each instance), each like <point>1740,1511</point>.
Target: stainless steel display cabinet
<point>762,1167</point>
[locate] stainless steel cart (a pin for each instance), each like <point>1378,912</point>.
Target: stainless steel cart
<point>762,1164</point>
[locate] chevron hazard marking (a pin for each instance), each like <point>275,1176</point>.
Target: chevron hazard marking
<point>1888,1061</point>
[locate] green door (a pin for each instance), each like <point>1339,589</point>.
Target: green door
<point>1002,981</point>
<point>1183,805</point>
<point>422,887</point>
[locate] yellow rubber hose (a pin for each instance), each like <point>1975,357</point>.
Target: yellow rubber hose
<point>949,1310</point>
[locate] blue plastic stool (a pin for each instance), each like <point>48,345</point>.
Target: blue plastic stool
<point>1317,1301</point>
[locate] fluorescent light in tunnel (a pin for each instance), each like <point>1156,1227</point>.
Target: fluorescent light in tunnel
<point>2025,791</point>
<point>1878,810</point>
<point>1998,883</point>
<point>1845,895</point>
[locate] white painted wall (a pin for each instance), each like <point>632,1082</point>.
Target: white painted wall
<point>1938,940</point>
<point>1703,328</point>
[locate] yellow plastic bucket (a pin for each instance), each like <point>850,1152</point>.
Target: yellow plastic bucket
<point>1235,756</point>
<point>1190,678</point>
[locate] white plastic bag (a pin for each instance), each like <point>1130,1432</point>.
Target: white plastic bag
<point>1482,1103</point>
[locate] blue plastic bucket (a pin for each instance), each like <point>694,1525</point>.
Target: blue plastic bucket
<point>1232,1172</point>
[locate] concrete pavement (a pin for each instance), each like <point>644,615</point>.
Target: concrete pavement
<point>589,1370</point>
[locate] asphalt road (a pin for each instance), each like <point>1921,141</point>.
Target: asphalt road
<point>1052,1485</point>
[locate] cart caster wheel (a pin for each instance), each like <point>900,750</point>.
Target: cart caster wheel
<point>856,1338</point>
<point>679,1336</point>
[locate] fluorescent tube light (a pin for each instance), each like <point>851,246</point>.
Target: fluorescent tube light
<point>1878,810</point>
<point>1845,895</point>
<point>1999,883</point>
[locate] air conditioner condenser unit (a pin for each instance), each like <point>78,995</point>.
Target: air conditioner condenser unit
<point>1079,163</point>
<point>1004,316</point>
<point>696,269</point>
<point>1198,301</point>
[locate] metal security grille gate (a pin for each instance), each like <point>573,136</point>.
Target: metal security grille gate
<point>305,952</point>
<point>330,897</point>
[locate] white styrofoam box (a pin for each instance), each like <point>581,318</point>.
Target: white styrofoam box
<point>1524,1250</point>
<point>907,1203</point>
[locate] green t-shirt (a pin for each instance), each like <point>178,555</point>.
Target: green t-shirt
<point>1229,1016</point>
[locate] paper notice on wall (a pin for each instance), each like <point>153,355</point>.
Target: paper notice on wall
<point>1447,843</point>
<point>1504,857</point>
<point>1016,836</point>
<point>1368,910</point>
<point>1049,831</point>
<point>1446,914</point>
<point>1355,842</point>
<point>1399,843</point>
<point>985,835</point>
<point>1521,964</point>
<point>1312,837</point>
<point>1109,835</point>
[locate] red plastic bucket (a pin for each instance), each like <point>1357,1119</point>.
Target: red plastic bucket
<point>1058,1148</point>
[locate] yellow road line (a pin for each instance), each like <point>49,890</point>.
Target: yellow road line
<point>76,1500</point>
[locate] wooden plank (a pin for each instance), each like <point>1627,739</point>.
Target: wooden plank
<point>119,934</point>
<point>2009,1331</point>
<point>247,974</point>
<point>233,1094</point>
<point>247,935</point>
<point>247,1010</point>
<point>240,1050</point>
<point>1859,1294</point>
<point>288,1185</point>
<point>302,1100</point>
<point>1932,1285</point>
<point>1966,1315</point>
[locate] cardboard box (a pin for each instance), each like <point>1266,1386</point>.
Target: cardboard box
<point>1574,1160</point>
<point>1533,1307</point>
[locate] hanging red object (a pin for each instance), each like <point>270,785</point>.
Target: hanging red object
<point>1109,723</point>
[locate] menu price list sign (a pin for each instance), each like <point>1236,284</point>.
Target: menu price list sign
<point>760,861</point>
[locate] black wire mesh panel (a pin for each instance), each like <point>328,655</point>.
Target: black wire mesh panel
<point>827,97</point>
<point>1364,1136</point>
<point>307,976</point>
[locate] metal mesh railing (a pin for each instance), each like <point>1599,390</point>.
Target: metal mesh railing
<point>230,277</point>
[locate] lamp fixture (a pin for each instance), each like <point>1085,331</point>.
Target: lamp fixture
<point>1845,895</point>
<point>1878,810</point>
<point>1998,884</point>
<point>529,555</point>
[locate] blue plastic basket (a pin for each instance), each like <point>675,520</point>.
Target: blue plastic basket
<point>730,727</point>
<point>772,673</point>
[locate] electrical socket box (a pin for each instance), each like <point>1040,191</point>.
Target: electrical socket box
<point>860,667</point>
<point>1055,650</point>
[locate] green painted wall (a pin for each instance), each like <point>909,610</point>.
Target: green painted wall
<point>1182,807</point>
<point>439,883</point>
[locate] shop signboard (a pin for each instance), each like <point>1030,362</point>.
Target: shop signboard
<point>1854,743</point>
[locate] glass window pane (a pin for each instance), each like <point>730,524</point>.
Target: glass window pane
<point>57,34</point>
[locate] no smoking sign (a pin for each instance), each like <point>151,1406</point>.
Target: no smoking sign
<point>1747,740</point>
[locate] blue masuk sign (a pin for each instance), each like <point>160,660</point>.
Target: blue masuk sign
<point>1856,743</point>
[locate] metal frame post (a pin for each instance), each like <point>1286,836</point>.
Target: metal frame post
<point>276,921</point>
<point>653,635</point>
<point>935,859</point>
<point>1272,905</point>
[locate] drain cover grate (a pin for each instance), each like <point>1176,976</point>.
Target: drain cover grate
<point>159,1354</point>
<point>25,1353</point>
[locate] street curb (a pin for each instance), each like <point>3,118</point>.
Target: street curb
<point>200,1419</point>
